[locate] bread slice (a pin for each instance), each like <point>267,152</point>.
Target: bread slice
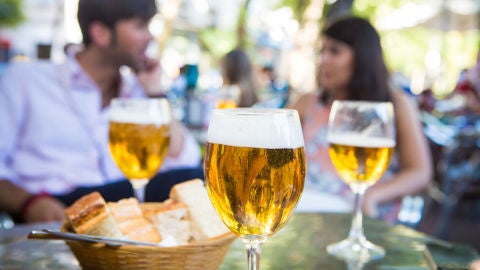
<point>204,220</point>
<point>91,215</point>
<point>170,219</point>
<point>129,217</point>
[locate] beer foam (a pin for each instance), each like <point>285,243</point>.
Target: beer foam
<point>353,139</point>
<point>122,116</point>
<point>140,111</point>
<point>254,128</point>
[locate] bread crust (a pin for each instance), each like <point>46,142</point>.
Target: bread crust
<point>90,215</point>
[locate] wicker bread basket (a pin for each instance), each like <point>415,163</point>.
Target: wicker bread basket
<point>205,255</point>
<point>208,255</point>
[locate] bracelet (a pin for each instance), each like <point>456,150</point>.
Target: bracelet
<point>29,202</point>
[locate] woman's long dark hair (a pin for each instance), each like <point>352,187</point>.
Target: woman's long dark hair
<point>370,78</point>
<point>238,69</point>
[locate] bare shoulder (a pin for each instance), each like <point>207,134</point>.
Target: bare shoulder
<point>303,103</point>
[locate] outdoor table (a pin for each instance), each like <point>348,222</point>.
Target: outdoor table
<point>299,245</point>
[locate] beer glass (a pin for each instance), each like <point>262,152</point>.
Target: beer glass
<point>254,171</point>
<point>139,138</point>
<point>361,137</point>
<point>228,97</point>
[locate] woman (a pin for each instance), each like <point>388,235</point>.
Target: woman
<point>352,68</point>
<point>238,80</point>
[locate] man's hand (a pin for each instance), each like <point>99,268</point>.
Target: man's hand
<point>149,76</point>
<point>45,209</point>
<point>177,139</point>
<point>15,200</point>
<point>148,66</point>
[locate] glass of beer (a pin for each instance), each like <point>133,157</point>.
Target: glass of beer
<point>228,97</point>
<point>254,171</point>
<point>361,137</point>
<point>139,138</point>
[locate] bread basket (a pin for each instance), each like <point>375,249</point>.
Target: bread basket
<point>208,255</point>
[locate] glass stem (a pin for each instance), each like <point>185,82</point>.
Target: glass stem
<point>254,249</point>
<point>140,194</point>
<point>139,189</point>
<point>356,229</point>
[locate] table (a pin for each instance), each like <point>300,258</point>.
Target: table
<point>299,245</point>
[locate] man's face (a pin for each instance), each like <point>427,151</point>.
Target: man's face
<point>130,42</point>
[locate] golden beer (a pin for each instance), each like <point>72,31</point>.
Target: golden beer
<point>138,149</point>
<point>360,164</point>
<point>254,189</point>
<point>226,104</point>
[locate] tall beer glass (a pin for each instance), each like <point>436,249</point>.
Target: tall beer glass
<point>361,138</point>
<point>254,171</point>
<point>139,138</point>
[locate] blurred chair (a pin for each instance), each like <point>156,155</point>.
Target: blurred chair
<point>456,188</point>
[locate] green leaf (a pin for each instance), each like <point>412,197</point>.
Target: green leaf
<point>218,42</point>
<point>11,12</point>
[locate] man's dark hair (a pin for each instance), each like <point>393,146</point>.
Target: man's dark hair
<point>109,12</point>
<point>370,79</point>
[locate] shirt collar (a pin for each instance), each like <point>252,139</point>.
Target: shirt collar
<point>79,79</point>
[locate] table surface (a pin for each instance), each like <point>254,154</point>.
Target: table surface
<point>299,245</point>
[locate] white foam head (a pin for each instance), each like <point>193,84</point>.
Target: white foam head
<point>140,111</point>
<point>259,128</point>
<point>354,139</point>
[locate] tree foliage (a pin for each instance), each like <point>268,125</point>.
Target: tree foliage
<point>298,7</point>
<point>11,12</point>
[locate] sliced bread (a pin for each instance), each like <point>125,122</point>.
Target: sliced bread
<point>91,215</point>
<point>204,220</point>
<point>170,219</point>
<point>129,217</point>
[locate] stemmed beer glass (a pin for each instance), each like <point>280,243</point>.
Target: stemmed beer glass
<point>139,138</point>
<point>254,171</point>
<point>361,138</point>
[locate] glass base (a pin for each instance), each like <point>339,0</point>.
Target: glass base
<point>357,250</point>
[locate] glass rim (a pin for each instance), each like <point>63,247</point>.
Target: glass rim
<point>254,111</point>
<point>138,99</point>
<point>148,110</point>
<point>366,102</point>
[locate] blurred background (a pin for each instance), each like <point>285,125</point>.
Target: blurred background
<point>427,42</point>
<point>431,47</point>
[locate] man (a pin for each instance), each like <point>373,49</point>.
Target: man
<point>54,118</point>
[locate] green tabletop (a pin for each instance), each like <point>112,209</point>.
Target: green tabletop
<point>301,245</point>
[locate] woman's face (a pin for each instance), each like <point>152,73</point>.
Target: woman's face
<point>336,64</point>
